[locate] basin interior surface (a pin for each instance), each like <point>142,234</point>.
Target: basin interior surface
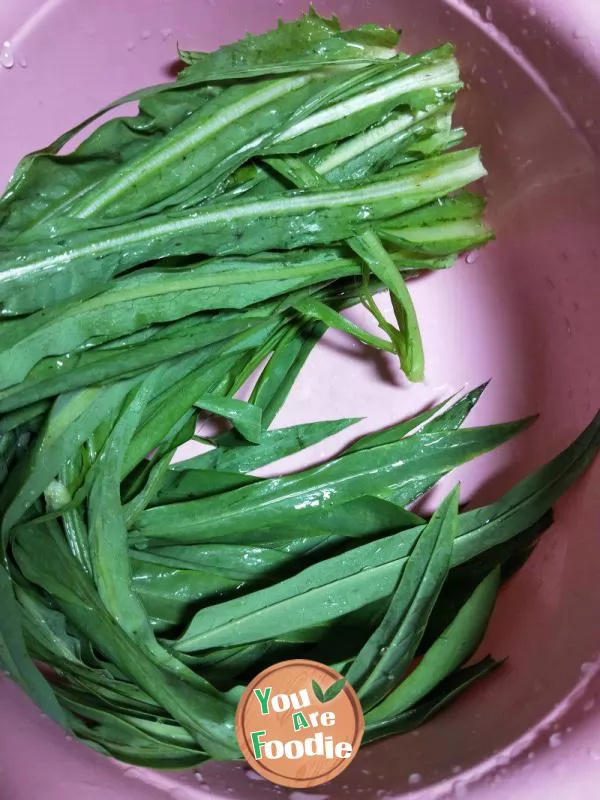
<point>524,313</point>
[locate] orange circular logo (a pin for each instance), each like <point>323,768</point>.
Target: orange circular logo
<point>299,724</point>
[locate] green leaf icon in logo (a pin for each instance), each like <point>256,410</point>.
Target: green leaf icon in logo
<point>331,693</point>
<point>334,690</point>
<point>318,692</point>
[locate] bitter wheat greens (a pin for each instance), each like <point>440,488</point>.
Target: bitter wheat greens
<point>144,278</point>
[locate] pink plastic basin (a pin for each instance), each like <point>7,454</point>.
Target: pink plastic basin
<point>525,314</point>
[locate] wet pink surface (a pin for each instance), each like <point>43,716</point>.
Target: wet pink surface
<point>525,313</point>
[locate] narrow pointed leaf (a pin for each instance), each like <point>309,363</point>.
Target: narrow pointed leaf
<point>389,651</point>
<point>403,464</point>
<point>451,689</point>
<point>301,218</point>
<point>455,646</point>
<point>369,573</point>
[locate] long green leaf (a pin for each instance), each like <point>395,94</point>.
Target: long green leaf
<point>275,444</point>
<point>284,366</point>
<point>369,573</point>
<point>157,296</point>
<point>451,689</point>
<point>172,408</point>
<point>301,218</point>
<point>370,249</point>
<point>270,503</point>
<point>314,309</point>
<point>356,111</point>
<point>205,713</point>
<point>117,736</point>
<point>389,651</point>
<point>73,371</point>
<point>72,420</point>
<point>196,151</point>
<point>310,41</point>
<point>15,659</point>
<point>455,646</point>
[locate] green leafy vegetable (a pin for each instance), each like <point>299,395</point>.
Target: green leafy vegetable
<point>455,646</point>
<point>388,653</point>
<point>311,41</point>
<point>435,702</point>
<point>338,585</point>
<point>390,467</point>
<point>96,255</point>
<point>174,259</point>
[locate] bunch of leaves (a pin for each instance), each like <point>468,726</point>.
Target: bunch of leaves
<point>144,277</point>
<point>154,593</point>
<point>301,160</point>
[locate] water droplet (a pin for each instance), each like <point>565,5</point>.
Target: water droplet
<point>23,63</point>
<point>589,123</point>
<point>489,14</point>
<point>415,779</point>
<point>587,668</point>
<point>146,34</point>
<point>578,34</point>
<point>555,740</point>
<point>7,57</point>
<point>68,738</point>
<point>130,46</point>
<point>131,772</point>
<point>456,770</point>
<point>532,12</point>
<point>166,33</point>
<point>589,706</point>
<point>472,257</point>
<point>279,2</point>
<point>593,754</point>
<point>198,775</point>
<point>366,771</point>
<point>531,756</point>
